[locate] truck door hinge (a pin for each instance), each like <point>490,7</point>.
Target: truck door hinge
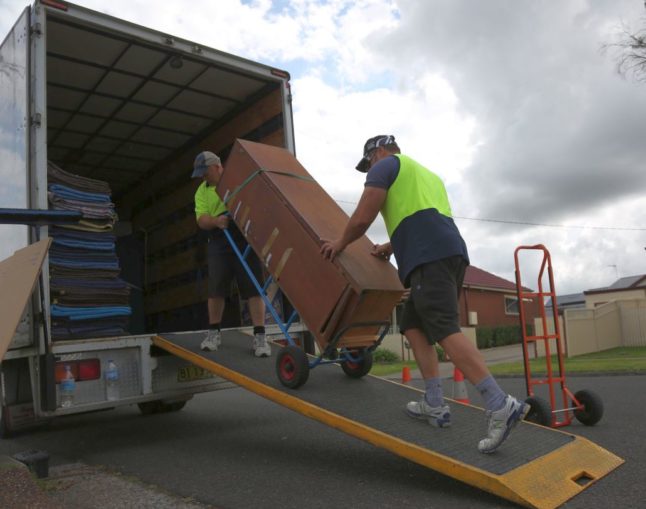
<point>36,120</point>
<point>36,29</point>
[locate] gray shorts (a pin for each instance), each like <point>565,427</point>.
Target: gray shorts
<point>223,267</point>
<point>433,302</point>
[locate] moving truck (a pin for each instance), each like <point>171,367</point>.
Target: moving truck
<point>105,99</point>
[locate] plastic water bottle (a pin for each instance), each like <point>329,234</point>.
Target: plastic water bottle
<point>68,387</point>
<point>112,382</point>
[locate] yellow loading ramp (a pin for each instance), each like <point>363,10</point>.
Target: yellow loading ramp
<point>536,467</point>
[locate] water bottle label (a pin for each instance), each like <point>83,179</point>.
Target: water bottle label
<point>112,376</point>
<point>67,385</point>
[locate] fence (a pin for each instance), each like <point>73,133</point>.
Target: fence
<point>611,325</point>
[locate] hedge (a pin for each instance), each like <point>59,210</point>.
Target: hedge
<point>489,337</point>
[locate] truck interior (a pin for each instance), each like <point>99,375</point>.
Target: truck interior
<point>135,113</point>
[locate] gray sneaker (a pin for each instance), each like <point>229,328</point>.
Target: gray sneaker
<point>212,341</point>
<point>439,416</point>
<point>501,422</point>
<point>260,346</point>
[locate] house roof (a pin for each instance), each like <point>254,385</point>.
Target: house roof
<point>624,283</point>
<point>569,300</point>
<point>475,276</point>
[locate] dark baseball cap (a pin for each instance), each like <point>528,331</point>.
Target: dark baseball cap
<point>380,140</point>
<point>202,163</point>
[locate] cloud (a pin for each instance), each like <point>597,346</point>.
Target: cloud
<point>512,103</point>
<point>560,136</point>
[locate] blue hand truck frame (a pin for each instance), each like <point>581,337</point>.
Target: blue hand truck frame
<point>292,363</point>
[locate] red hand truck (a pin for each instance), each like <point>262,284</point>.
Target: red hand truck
<point>585,405</point>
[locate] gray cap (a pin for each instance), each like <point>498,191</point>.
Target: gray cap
<point>202,163</point>
<point>380,140</point>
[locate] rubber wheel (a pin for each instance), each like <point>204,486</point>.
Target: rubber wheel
<point>148,407</point>
<point>292,367</point>
<point>540,411</point>
<point>360,368</point>
<point>159,407</point>
<point>592,410</point>
<point>174,406</point>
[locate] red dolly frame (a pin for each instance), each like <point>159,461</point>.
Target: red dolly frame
<point>585,405</point>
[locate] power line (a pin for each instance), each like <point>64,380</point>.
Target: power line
<point>579,227</point>
<point>528,223</point>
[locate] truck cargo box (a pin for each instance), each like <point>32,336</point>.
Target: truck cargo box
<point>285,215</point>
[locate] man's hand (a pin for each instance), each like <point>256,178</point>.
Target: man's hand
<point>222,221</point>
<point>331,248</point>
<point>382,251</point>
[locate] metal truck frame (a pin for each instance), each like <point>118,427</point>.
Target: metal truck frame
<point>108,99</point>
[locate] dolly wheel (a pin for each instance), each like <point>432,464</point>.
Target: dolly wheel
<point>359,368</point>
<point>540,411</point>
<point>592,410</point>
<point>292,367</point>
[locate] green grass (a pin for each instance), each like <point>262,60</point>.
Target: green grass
<point>616,360</point>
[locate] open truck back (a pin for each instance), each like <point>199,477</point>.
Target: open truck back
<point>110,100</point>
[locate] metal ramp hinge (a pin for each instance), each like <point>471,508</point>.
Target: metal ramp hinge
<point>36,120</point>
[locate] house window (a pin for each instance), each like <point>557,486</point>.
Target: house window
<point>511,305</point>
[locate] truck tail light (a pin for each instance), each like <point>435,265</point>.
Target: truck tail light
<point>86,369</point>
<point>54,4</point>
<point>89,369</point>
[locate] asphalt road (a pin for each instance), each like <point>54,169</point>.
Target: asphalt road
<point>233,449</point>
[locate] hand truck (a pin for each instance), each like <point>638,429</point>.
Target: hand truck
<point>292,363</point>
<point>585,405</point>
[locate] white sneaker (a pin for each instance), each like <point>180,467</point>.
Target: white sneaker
<point>501,422</point>
<point>212,341</point>
<point>439,416</point>
<point>260,346</point>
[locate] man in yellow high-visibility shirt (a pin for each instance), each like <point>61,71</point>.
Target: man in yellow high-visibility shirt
<point>210,213</point>
<point>431,258</point>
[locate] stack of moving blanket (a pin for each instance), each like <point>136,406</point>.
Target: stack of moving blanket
<point>88,298</point>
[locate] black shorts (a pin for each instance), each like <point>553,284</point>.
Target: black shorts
<point>433,302</point>
<point>224,266</point>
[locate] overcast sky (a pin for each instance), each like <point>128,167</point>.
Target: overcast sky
<point>513,103</point>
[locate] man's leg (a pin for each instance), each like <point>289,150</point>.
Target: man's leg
<point>257,311</point>
<point>213,336</point>
<point>256,304</point>
<point>503,410</point>
<point>216,308</point>
<point>218,284</point>
<point>466,357</point>
<point>431,407</point>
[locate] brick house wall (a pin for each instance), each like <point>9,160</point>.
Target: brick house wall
<point>493,299</point>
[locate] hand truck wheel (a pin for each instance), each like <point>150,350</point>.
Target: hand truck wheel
<point>358,368</point>
<point>292,367</point>
<point>540,411</point>
<point>592,410</point>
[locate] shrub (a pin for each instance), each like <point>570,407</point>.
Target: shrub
<point>489,337</point>
<point>384,356</point>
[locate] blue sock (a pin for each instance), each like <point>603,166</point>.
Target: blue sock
<point>492,394</point>
<point>434,395</point>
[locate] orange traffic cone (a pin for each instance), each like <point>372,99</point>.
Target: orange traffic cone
<point>405,374</point>
<point>459,387</point>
